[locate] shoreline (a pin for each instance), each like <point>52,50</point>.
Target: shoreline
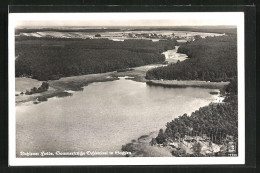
<point>76,83</point>
<point>141,147</point>
<point>60,88</point>
<point>187,83</point>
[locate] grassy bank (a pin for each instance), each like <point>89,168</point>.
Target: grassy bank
<point>76,83</point>
<point>59,88</point>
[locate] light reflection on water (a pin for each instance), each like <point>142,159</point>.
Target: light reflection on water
<point>103,117</point>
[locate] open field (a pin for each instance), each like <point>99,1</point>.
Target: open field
<point>22,84</point>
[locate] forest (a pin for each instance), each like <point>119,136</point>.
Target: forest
<point>209,59</point>
<point>216,121</point>
<point>52,58</point>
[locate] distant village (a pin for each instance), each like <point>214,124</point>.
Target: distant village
<point>159,36</point>
<point>120,36</point>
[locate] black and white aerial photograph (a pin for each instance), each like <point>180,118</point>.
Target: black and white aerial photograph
<point>126,86</point>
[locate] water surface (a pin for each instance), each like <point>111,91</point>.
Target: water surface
<point>103,117</point>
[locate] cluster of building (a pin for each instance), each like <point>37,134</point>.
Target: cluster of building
<point>186,37</point>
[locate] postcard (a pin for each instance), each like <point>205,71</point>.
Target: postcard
<point>144,88</point>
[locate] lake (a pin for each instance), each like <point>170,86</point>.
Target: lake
<point>102,117</point>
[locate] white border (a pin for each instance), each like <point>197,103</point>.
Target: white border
<point>13,161</point>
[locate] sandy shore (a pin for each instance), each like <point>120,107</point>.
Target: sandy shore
<point>141,147</point>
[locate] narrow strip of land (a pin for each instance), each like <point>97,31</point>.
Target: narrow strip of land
<point>187,83</point>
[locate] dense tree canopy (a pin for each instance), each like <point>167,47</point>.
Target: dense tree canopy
<point>210,59</point>
<point>217,121</point>
<point>52,58</point>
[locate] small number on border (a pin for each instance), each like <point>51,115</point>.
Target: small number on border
<point>232,155</point>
